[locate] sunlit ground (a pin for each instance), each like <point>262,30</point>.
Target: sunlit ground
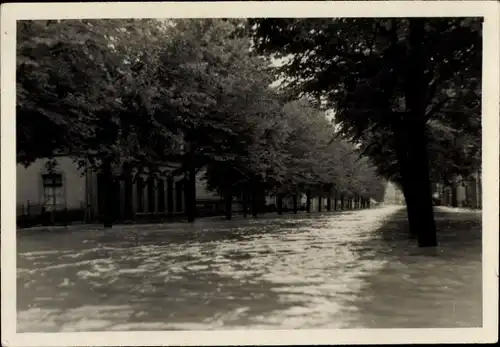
<point>353,269</point>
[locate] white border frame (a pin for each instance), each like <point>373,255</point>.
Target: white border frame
<point>491,126</point>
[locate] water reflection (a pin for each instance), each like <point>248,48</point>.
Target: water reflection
<point>319,271</point>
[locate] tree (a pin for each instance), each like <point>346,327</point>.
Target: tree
<point>141,94</point>
<point>223,96</point>
<point>83,82</point>
<point>303,148</point>
<point>383,76</point>
<point>291,152</point>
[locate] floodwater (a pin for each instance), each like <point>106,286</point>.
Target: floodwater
<point>353,269</point>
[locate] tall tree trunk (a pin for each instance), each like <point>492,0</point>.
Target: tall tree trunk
<point>411,206</point>
<point>342,202</point>
<point>295,203</point>
<point>116,198</point>
<point>229,203</point>
<point>479,189</point>
<point>255,201</point>
<point>421,194</point>
<point>320,202</point>
<point>279,203</point>
<point>151,196</point>
<point>190,179</point>
<point>308,201</point>
<point>454,191</point>
<point>329,203</point>
<point>401,133</point>
<point>192,182</point>
<point>335,202</point>
<point>472,191</point>
<point>160,196</point>
<point>190,194</point>
<point>245,204</point>
<point>128,183</point>
<point>187,198</point>
<point>466,195</point>
<point>107,190</point>
<point>170,196</point>
<point>415,97</point>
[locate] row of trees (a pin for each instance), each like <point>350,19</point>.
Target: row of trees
<point>407,91</point>
<point>173,98</point>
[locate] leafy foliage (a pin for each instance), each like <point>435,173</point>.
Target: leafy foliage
<point>80,82</point>
<point>152,93</point>
<point>359,68</point>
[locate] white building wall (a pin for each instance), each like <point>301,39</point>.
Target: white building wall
<point>29,184</point>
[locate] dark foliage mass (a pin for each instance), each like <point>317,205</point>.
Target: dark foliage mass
<point>177,96</point>
<point>407,91</point>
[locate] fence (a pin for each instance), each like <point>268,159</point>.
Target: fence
<point>467,194</point>
<point>30,214</point>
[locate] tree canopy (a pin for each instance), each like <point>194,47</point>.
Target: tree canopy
<point>358,67</point>
<point>406,91</point>
<point>194,92</point>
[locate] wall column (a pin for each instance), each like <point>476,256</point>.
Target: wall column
<point>170,195</point>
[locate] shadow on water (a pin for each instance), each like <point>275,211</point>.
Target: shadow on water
<point>329,270</point>
<point>432,288</point>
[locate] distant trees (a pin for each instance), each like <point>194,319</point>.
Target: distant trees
<point>82,90</point>
<point>406,91</point>
<point>123,94</point>
<point>297,152</point>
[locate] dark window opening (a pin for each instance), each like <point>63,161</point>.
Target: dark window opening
<point>53,192</point>
<point>52,180</point>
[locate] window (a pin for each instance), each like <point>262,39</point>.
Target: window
<point>53,192</point>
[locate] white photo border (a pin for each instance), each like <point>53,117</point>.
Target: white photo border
<point>490,10</point>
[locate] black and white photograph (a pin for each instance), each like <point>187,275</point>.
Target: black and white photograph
<point>252,173</point>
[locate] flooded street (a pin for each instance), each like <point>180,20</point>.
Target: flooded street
<point>353,269</point>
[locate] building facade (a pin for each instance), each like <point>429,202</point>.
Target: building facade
<point>468,193</point>
<point>67,193</point>
<point>39,190</point>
